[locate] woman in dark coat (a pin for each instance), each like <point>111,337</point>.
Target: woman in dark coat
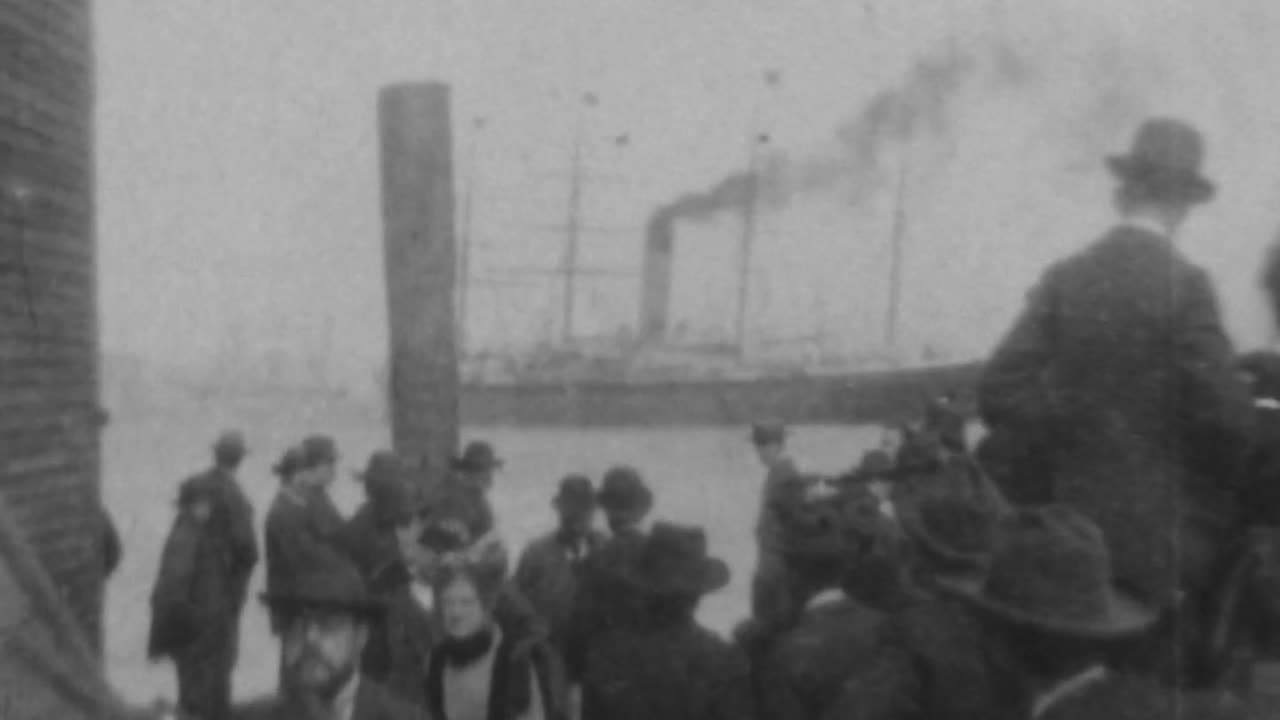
<point>481,669</point>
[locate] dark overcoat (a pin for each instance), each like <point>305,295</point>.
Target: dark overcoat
<point>231,526</point>
<point>372,703</point>
<point>931,664</point>
<point>548,576</point>
<point>605,600</point>
<point>682,672</point>
<point>809,664</point>
<point>370,539</point>
<point>299,538</point>
<point>1119,367</point>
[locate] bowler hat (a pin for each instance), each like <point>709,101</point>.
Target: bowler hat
<point>230,445</point>
<point>576,494</point>
<point>336,586</point>
<point>623,491</point>
<point>768,433</point>
<point>674,561</point>
<point>1165,161</point>
<point>477,456</point>
<point>289,463</point>
<point>1050,570</point>
<point>319,450</point>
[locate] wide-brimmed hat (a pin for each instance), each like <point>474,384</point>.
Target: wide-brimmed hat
<point>674,561</point>
<point>768,433</point>
<point>337,586</point>
<point>623,490</point>
<point>952,516</point>
<point>319,450</point>
<point>576,494</point>
<point>230,445</point>
<point>1050,570</point>
<point>477,456</point>
<point>1165,161</point>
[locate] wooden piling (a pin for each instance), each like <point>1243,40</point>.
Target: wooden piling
<point>420,256</point>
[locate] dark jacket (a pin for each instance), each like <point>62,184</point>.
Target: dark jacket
<point>548,576</point>
<point>604,602</point>
<point>455,499</point>
<point>111,551</point>
<point>372,703</point>
<point>681,672</point>
<point>192,600</point>
<point>370,540</point>
<point>810,663</point>
<point>930,665</point>
<point>231,526</point>
<point>298,538</point>
<point>1120,697</point>
<point>782,493</point>
<point>520,659</point>
<point>1120,367</point>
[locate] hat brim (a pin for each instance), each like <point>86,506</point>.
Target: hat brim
<point>1188,187</point>
<point>910,522</point>
<point>1126,615</point>
<point>581,504</point>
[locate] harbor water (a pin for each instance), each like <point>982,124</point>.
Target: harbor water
<point>703,476</point>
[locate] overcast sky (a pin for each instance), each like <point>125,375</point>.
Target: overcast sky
<point>238,179</point>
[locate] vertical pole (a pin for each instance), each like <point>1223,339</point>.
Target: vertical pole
<point>418,224</point>
<point>895,257</point>
<point>744,252</point>
<point>571,238</point>
<point>464,248</point>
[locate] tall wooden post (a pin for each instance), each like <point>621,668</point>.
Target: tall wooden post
<point>419,248</point>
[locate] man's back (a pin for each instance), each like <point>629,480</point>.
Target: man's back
<point>231,525</point>
<point>1127,328</point>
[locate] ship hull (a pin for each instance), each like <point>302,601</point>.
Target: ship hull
<point>861,397</point>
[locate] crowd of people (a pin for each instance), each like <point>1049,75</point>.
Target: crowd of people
<point>1101,553</point>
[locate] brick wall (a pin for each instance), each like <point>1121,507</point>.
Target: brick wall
<point>49,454</point>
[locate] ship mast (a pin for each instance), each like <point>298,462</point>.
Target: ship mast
<point>892,311</point>
<point>573,228</point>
<point>744,250</point>
<point>465,236</point>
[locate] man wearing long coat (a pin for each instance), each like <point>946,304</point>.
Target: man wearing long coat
<point>1120,368</point>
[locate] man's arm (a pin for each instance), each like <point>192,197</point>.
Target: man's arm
<point>1219,409</point>
<point>1013,387</point>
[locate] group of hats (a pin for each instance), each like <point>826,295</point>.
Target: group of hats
<point>622,492</point>
<point>312,451</point>
<point>1047,567</point>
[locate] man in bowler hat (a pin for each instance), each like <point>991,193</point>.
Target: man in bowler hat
<point>604,601</point>
<point>1120,370</point>
<point>548,570</point>
<point>668,666</point>
<point>326,615</point>
<point>465,493</point>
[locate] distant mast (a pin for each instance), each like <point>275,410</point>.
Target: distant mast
<point>893,310</point>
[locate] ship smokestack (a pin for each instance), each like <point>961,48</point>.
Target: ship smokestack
<point>655,279</point>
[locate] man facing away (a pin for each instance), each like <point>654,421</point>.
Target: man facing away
<point>1119,368</point>
<point>231,524</point>
<point>325,617</point>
